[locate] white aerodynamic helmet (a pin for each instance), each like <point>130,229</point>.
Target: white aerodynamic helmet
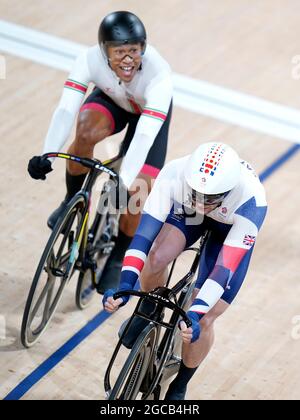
<point>213,169</point>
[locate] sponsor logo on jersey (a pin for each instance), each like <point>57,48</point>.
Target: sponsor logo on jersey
<point>249,167</point>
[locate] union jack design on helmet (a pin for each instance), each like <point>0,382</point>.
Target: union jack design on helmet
<point>212,160</point>
<point>214,168</point>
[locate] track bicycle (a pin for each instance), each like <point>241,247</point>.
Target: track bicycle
<point>74,245</point>
<point>156,354</point>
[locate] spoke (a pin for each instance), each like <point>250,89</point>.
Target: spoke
<point>65,257</point>
<point>41,298</point>
<point>50,261</point>
<point>65,238</point>
<point>46,312</point>
<point>58,294</point>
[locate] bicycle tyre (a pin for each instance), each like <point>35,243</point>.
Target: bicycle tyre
<point>131,376</point>
<point>85,289</point>
<point>177,340</point>
<point>174,356</point>
<point>99,252</point>
<point>63,227</point>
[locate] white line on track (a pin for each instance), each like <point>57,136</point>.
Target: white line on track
<point>195,95</point>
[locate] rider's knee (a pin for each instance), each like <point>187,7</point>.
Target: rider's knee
<point>207,321</point>
<point>157,261</point>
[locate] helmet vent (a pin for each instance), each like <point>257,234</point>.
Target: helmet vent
<point>116,30</point>
<point>131,28</point>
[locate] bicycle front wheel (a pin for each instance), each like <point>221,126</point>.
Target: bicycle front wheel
<point>101,242</point>
<point>177,340</point>
<point>129,381</point>
<point>53,272</point>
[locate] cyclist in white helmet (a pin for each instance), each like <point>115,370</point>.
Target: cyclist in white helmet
<point>214,190</point>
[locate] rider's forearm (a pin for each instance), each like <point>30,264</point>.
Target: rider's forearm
<point>135,158</point>
<point>209,294</point>
<point>155,113</point>
<point>228,262</point>
<point>138,250</point>
<point>59,130</point>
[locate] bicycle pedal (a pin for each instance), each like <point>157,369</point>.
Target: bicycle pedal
<point>105,237</point>
<point>57,272</point>
<point>175,358</point>
<point>89,264</point>
<point>105,248</point>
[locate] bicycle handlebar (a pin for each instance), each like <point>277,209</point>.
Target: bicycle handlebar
<point>88,163</point>
<point>157,299</point>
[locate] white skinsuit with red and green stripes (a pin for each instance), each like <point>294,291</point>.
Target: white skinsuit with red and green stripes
<point>148,94</point>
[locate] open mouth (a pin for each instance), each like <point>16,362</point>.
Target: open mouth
<point>127,71</point>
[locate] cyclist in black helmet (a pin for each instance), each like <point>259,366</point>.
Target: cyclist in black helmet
<point>133,89</point>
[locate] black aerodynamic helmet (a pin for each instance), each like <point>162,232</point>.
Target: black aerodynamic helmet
<point>119,28</point>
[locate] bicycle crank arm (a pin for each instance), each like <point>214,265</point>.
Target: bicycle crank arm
<point>57,272</point>
<point>105,248</point>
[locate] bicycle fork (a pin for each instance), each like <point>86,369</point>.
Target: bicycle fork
<point>74,253</point>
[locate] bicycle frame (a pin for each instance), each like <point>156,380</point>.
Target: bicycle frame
<point>68,248</point>
<point>96,168</point>
<point>161,296</point>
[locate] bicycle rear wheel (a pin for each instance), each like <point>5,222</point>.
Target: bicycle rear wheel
<point>129,381</point>
<point>85,289</point>
<point>55,268</point>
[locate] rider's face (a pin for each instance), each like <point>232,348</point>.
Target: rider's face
<point>204,204</point>
<point>125,60</point>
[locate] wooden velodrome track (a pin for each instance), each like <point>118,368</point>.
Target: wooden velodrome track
<point>245,46</point>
